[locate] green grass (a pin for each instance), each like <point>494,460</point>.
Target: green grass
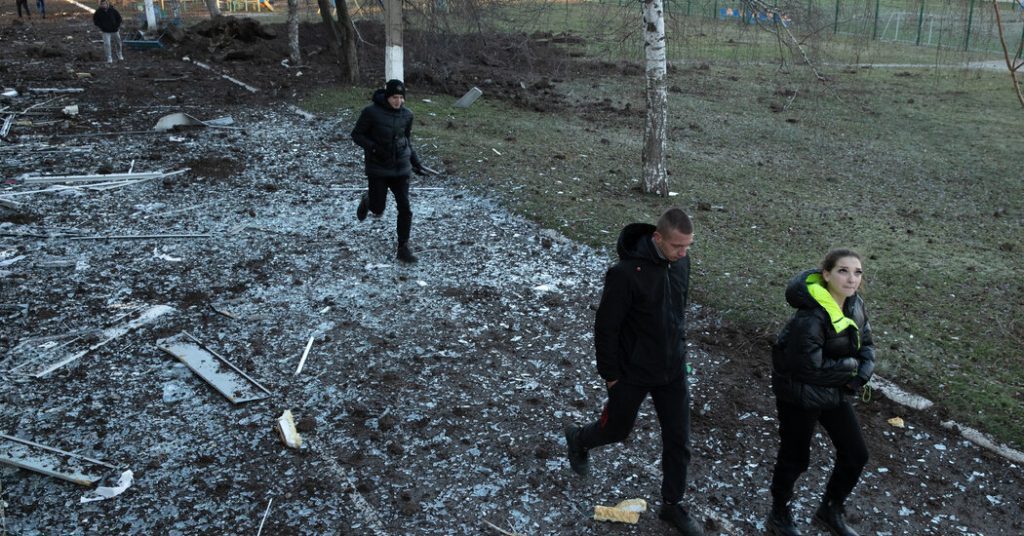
<point>918,170</point>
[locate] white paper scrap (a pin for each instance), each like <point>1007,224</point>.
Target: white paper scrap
<point>103,492</point>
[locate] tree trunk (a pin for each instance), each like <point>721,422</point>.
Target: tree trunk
<point>293,32</point>
<point>348,45</point>
<point>213,8</point>
<point>334,43</point>
<point>342,37</point>
<point>654,173</point>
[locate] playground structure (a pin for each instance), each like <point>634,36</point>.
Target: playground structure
<point>750,16</point>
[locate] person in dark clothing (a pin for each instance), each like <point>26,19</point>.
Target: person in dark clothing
<point>824,354</point>
<point>383,131</point>
<point>41,6</point>
<point>640,342</point>
<point>23,4</point>
<point>108,20</point>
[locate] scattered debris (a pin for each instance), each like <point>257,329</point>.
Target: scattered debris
<point>6,128</point>
<point>180,119</point>
<point>265,513</point>
<point>627,511</point>
<point>220,373</point>
<point>469,98</point>
<point>894,393</point>
<point>50,461</point>
<point>142,237</point>
<point>18,309</point>
<point>107,178</point>
<point>56,89</point>
<point>985,441</point>
<point>499,529</point>
<point>223,311</point>
<point>224,76</point>
<point>103,492</point>
<point>41,363</point>
<point>70,111</point>
<point>286,427</point>
<point>302,360</point>
<point>897,422</point>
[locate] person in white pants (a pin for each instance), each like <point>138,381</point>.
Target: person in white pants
<point>108,20</point>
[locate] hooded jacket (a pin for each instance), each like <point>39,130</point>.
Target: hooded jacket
<point>107,20</point>
<point>640,329</point>
<point>823,348</point>
<point>383,133</point>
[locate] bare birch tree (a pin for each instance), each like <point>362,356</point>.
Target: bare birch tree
<point>1013,63</point>
<point>654,173</point>
<point>293,32</point>
<point>343,36</point>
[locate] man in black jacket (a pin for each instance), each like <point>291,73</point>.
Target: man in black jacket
<point>640,339</point>
<point>108,20</point>
<point>383,131</point>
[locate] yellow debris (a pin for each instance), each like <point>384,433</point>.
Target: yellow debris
<point>627,511</point>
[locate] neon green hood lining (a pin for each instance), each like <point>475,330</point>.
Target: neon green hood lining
<point>818,291</point>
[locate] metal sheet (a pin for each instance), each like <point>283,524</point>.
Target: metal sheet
<point>50,461</point>
<point>226,378</point>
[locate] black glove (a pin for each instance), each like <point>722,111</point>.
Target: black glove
<point>419,170</point>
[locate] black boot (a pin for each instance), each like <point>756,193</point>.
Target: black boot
<point>405,254</point>
<point>578,456</point>
<point>830,516</point>
<point>780,522</point>
<point>680,518</point>
<point>363,207</point>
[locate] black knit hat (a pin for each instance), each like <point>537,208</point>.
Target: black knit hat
<point>394,87</point>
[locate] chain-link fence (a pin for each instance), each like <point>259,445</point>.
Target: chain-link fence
<point>956,24</point>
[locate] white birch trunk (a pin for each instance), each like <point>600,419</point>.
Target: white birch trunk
<point>293,32</point>
<point>394,62</point>
<point>213,7</point>
<point>654,173</point>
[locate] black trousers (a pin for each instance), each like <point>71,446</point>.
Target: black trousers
<point>378,197</point>
<point>23,3</point>
<point>796,428</point>
<point>672,404</point>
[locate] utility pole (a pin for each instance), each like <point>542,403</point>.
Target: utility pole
<point>393,58</point>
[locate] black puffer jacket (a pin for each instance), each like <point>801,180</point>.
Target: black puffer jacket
<point>822,349</point>
<point>107,20</point>
<point>640,331</point>
<point>383,133</point>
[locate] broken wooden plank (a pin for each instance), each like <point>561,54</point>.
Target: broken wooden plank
<point>51,461</point>
<point>217,371</point>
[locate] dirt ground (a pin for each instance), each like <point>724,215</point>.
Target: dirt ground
<point>433,396</point>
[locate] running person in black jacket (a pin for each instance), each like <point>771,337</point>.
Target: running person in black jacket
<point>822,356</point>
<point>640,339</point>
<point>383,131</point>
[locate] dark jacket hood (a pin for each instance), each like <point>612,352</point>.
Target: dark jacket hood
<point>635,243</point>
<point>380,99</point>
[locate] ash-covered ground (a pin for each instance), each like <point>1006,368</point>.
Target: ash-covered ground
<point>433,395</point>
